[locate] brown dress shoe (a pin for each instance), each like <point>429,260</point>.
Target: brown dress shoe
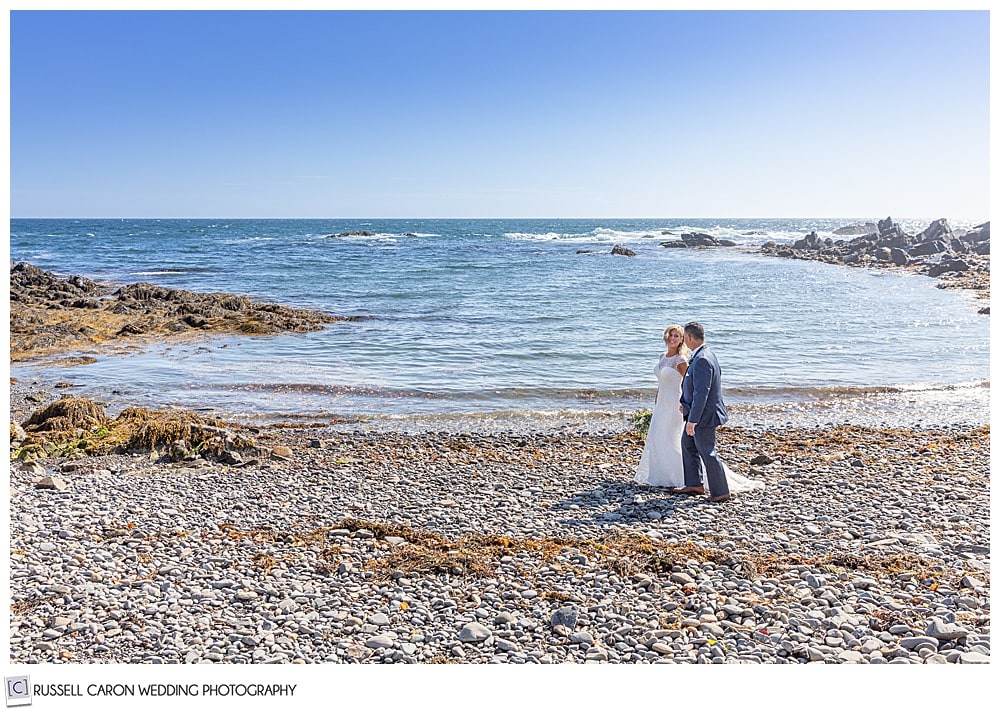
<point>689,490</point>
<point>720,499</point>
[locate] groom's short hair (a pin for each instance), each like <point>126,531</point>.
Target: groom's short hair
<point>695,330</point>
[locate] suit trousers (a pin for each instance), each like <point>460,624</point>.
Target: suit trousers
<point>698,451</point>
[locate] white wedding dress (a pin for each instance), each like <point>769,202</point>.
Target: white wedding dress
<point>661,463</point>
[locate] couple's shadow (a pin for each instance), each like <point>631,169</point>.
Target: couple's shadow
<point>631,504</point>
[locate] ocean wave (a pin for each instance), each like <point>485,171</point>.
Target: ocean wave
<point>535,237</point>
<point>558,397</point>
<point>813,392</point>
<point>605,235</point>
<point>379,391</point>
<point>173,270</point>
<point>383,237</point>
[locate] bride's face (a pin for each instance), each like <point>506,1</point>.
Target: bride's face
<point>673,340</point>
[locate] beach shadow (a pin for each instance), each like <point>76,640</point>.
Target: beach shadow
<point>614,502</point>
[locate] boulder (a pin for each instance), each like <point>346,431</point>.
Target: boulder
<point>474,632</point>
<point>673,243</point>
<point>566,616</point>
<point>947,631</point>
<point>281,452</point>
<point>948,265</point>
<point>52,482</point>
<point>979,233</point>
<point>924,249</point>
<point>865,228</point>
<point>622,251</point>
<point>899,257</point>
<point>699,239</point>
<point>887,228</point>
<point>898,240</point>
<point>33,469</point>
<point>939,230</point>
<point>812,241</point>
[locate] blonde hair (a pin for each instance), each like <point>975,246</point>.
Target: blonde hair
<point>682,349</point>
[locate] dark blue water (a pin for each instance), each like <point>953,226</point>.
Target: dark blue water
<point>477,316</point>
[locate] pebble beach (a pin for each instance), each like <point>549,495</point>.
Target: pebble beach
<point>867,546</point>
<point>486,541</point>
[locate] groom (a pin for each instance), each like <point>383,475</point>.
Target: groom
<point>701,403</point>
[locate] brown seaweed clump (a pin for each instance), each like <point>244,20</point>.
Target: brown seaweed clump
<point>67,415</point>
<point>477,554</point>
<point>79,426</point>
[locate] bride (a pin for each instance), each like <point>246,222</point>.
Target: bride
<point>661,463</point>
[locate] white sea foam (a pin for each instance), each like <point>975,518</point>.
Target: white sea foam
<point>376,237</point>
<point>546,237</point>
<point>739,235</point>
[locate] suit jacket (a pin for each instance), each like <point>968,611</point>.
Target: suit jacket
<point>701,390</point>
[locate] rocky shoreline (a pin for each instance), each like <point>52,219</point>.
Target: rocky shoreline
<point>959,260</point>
<point>866,546</point>
<point>51,315</point>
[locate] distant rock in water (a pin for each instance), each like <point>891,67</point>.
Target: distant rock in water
<point>622,251</point>
<point>812,241</point>
<point>359,233</point>
<point>934,251</point>
<point>51,314</point>
<point>865,228</point>
<point>698,239</point>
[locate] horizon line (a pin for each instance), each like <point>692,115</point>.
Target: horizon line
<point>551,217</point>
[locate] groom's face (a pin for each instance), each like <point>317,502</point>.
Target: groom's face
<point>689,342</point>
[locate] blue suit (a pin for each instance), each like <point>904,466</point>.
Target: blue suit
<point>701,401</point>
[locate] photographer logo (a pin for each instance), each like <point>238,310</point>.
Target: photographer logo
<point>18,691</point>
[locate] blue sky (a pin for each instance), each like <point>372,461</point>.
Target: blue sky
<point>500,114</point>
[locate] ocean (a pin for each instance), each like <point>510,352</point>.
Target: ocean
<point>491,322</point>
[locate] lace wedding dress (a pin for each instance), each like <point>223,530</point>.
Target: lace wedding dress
<point>661,463</point>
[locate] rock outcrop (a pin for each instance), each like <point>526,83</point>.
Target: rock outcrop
<point>698,239</point>
<point>51,314</point>
<point>960,260</point>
